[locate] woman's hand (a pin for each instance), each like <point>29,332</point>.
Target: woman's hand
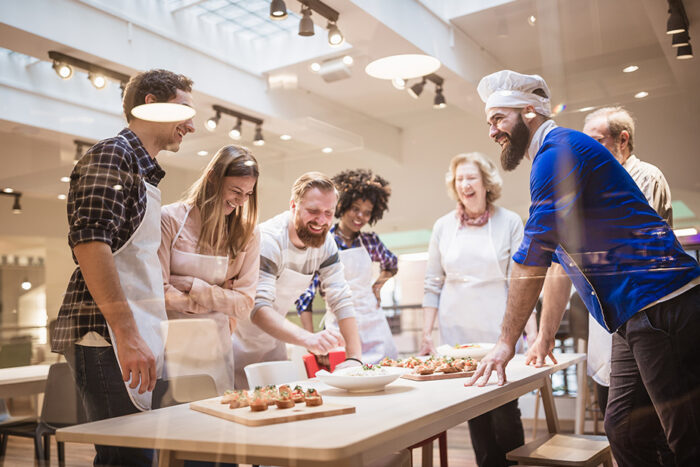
<point>182,283</point>
<point>426,346</point>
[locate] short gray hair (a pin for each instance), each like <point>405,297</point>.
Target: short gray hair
<point>619,119</point>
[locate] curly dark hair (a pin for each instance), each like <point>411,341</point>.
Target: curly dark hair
<point>163,84</point>
<point>362,184</point>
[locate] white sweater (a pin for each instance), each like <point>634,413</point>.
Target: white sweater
<point>507,232</point>
<point>277,253</point>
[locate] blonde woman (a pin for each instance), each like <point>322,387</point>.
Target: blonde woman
<point>466,285</point>
<point>210,249</point>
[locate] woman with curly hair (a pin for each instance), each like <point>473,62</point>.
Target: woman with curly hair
<point>363,199</point>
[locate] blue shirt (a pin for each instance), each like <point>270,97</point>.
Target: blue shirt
<point>588,214</point>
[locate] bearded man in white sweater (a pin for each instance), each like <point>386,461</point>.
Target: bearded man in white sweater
<point>293,246</point>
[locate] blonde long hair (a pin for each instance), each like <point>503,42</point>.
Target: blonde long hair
<point>223,234</point>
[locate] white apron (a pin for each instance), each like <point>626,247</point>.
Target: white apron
<point>141,280</point>
<point>473,297</point>
<point>599,352</point>
<point>253,345</point>
<point>373,328</point>
<point>196,355</point>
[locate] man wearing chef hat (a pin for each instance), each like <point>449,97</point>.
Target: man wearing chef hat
<point>294,246</point>
<point>588,215</point>
<point>108,326</point>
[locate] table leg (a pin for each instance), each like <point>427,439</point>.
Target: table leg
<point>582,392</point>
<point>427,455</point>
<point>550,411</point>
<point>166,458</point>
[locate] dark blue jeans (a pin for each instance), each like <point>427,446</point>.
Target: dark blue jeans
<point>655,383</point>
<point>104,395</point>
<point>495,433</point>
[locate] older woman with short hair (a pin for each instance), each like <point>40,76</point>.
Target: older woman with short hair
<point>466,285</point>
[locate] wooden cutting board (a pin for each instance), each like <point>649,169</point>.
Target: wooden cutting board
<point>270,416</point>
<point>437,376</point>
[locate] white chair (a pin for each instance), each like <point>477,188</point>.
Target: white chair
<point>295,353</point>
<point>192,348</point>
<point>265,373</point>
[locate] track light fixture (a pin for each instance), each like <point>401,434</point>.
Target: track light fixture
<point>677,19</point>
<point>679,26</point>
<point>278,10</point>
<point>439,100</point>
<point>685,52</point>
<point>415,91</point>
<point>236,131</point>
<point>16,207</point>
<point>64,64</point>
<point>306,25</point>
<point>335,37</point>
<point>213,122</point>
<point>258,141</point>
<point>63,70</point>
<point>680,39</point>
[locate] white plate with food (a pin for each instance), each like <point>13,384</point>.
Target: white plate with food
<point>477,351</point>
<point>366,378</point>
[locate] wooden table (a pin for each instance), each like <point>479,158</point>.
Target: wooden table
<point>405,413</point>
<point>23,380</point>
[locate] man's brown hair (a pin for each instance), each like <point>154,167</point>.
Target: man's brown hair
<point>163,84</point>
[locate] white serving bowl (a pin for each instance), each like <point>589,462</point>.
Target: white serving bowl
<point>340,379</point>
<point>477,353</point>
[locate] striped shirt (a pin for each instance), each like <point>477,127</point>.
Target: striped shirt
<point>378,252</point>
<point>106,203</point>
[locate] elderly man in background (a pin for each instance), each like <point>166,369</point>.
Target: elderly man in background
<point>613,127</point>
<point>588,215</point>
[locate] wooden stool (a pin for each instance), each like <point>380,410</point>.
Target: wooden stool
<point>564,450</point>
<point>427,448</point>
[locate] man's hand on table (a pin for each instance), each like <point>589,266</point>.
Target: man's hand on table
<point>496,360</point>
<point>539,351</point>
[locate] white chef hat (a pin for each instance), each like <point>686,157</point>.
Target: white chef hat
<point>508,88</point>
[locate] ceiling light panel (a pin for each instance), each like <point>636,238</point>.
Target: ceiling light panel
<point>247,19</point>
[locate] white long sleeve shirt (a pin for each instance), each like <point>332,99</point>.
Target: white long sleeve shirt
<point>507,232</point>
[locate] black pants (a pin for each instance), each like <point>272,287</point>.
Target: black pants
<point>655,383</point>
<point>495,433</point>
<point>663,452</point>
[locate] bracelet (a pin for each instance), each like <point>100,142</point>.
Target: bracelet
<point>355,359</point>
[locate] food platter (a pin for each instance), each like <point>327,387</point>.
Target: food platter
<point>477,351</point>
<point>352,380</point>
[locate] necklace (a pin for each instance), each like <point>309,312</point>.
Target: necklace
<point>343,236</point>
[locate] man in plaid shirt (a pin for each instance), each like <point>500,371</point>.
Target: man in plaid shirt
<point>106,205</point>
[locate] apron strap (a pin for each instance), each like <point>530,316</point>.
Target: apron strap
<point>182,226</point>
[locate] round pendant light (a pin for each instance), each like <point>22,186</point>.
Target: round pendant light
<point>405,66</point>
<point>163,112</point>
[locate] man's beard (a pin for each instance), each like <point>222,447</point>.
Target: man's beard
<point>309,238</point>
<point>514,150</point>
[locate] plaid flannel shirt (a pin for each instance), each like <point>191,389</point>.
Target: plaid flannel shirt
<point>378,252</point>
<point>106,203</point>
